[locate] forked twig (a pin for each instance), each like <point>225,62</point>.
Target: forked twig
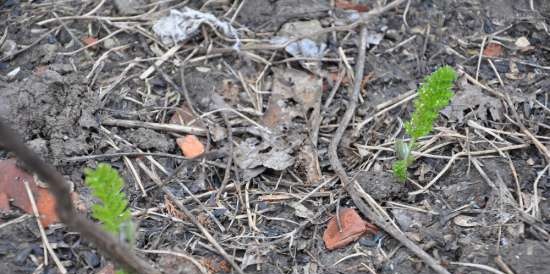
<point>351,187</point>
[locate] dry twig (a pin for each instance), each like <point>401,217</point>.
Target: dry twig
<point>114,249</point>
<point>350,187</point>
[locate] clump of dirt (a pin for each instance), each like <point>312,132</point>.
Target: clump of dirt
<point>16,244</point>
<point>381,185</point>
<point>527,257</point>
<point>148,139</point>
<point>267,15</point>
<point>53,111</point>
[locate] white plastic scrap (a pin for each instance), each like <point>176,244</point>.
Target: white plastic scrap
<point>301,48</point>
<point>306,48</point>
<point>181,25</point>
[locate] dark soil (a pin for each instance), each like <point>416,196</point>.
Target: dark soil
<point>472,217</point>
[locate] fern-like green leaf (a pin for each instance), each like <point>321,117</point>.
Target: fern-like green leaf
<point>106,184</point>
<point>400,170</point>
<point>434,95</point>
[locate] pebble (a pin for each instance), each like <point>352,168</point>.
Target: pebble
<point>8,48</point>
<point>522,42</point>
<point>110,43</point>
<point>91,258</point>
<point>127,7</point>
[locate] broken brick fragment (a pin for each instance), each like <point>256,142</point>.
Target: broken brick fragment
<point>353,227</point>
<point>190,146</point>
<point>493,50</point>
<point>12,186</point>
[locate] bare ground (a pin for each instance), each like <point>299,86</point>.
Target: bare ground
<point>477,196</point>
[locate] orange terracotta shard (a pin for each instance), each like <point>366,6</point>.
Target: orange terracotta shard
<point>353,227</point>
<point>12,186</point>
<point>492,50</point>
<point>190,146</point>
<point>90,40</point>
<point>347,5</point>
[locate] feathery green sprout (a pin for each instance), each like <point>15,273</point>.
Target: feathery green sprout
<point>434,95</point>
<point>112,210</point>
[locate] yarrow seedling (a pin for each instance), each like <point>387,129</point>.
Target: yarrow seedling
<point>434,95</point>
<point>112,210</point>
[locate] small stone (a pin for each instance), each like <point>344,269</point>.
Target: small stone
<point>8,48</point>
<point>52,39</point>
<point>39,146</point>
<point>522,42</point>
<point>49,52</point>
<point>110,43</point>
<point>91,259</point>
<point>127,7</point>
<point>50,77</point>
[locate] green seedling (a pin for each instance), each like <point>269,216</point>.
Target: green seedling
<point>112,210</point>
<point>434,95</point>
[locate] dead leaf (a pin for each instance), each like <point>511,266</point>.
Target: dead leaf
<point>353,227</point>
<point>254,255</point>
<point>294,94</point>
<point>466,221</point>
<point>301,211</point>
<point>470,98</point>
<point>277,160</point>
<point>249,155</point>
<point>12,186</point>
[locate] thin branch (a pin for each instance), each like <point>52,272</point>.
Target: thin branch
<point>351,187</point>
<point>110,246</point>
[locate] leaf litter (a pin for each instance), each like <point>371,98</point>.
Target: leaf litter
<point>271,103</point>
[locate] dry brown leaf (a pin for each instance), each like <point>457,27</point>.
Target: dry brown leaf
<point>470,98</point>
